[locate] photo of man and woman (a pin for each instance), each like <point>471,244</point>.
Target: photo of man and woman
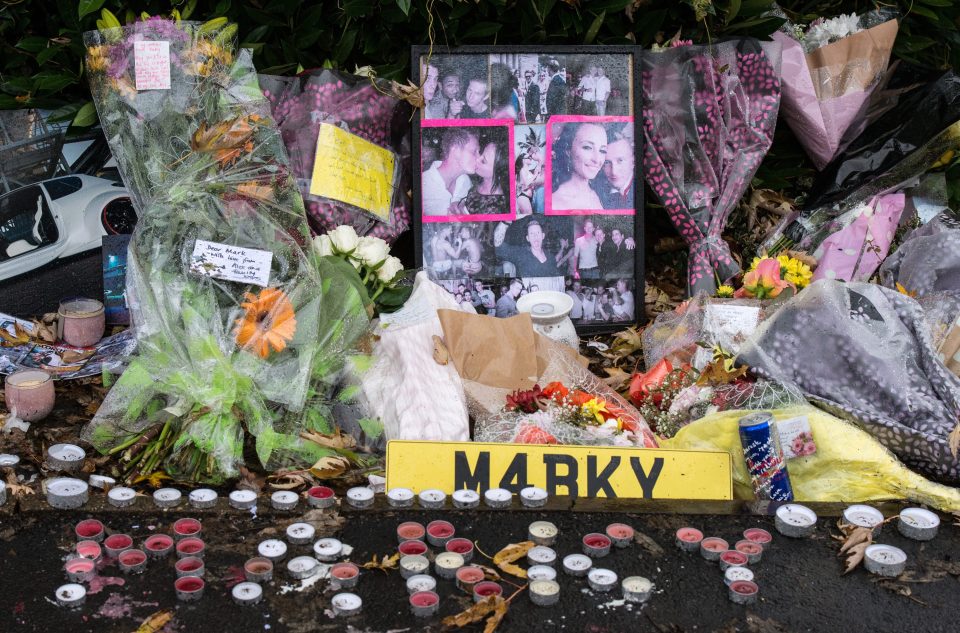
<point>467,171</point>
<point>528,169</point>
<point>590,166</point>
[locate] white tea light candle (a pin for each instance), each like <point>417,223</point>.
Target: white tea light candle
<point>544,593</point>
<point>447,564</point>
<point>65,493</point>
<point>884,560</point>
<point>413,565</point>
<point>864,516</point>
<point>541,572</point>
<point>400,497</point>
<point>543,533</point>
<point>360,497</point>
<point>65,457</point>
<point>533,497</point>
<point>601,579</point>
<point>246,593</point>
<point>542,555</point>
<point>300,533</point>
<point>167,497</point>
<point>636,589</point>
<point>328,549</point>
<point>795,520</point>
<point>432,499</point>
<point>272,549</point>
<point>918,524</point>
<point>284,500</point>
<point>498,498</point>
<point>202,498</point>
<point>421,582</point>
<point>577,565</point>
<point>465,499</point>
<point>346,604</point>
<point>303,567</point>
<point>242,499</point>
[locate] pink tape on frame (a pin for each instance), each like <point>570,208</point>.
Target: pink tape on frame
<point>510,194</point>
<point>548,168</point>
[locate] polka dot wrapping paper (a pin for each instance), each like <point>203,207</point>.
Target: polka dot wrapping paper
<point>303,103</point>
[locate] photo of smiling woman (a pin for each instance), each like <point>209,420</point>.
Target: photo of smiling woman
<point>578,154</point>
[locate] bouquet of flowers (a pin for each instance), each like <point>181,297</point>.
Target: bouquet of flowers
<point>241,330</point>
<point>709,114</point>
<point>829,73</point>
<point>557,414</point>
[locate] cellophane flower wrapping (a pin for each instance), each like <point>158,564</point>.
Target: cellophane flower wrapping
<point>827,86</point>
<point>709,114</point>
<point>495,423</point>
<point>216,358</point>
<point>359,106</point>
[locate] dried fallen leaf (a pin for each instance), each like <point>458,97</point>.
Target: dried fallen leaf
<point>45,330</point>
<point>155,479</point>
<point>441,355</point>
<point>504,558</point>
<point>720,371</point>
<point>249,480</point>
<point>652,547</point>
<point>388,562</point>
<point>489,573</point>
<point>21,336</point>
<point>477,612</point>
<point>287,480</point>
<point>337,441</point>
<point>855,544</point>
<point>616,378</point>
<point>954,440</point>
<point>155,622</point>
<point>500,610</point>
<point>855,556</point>
<point>898,588</point>
<point>330,467</point>
<point>14,486</point>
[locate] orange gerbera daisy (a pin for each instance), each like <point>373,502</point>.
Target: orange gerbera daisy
<point>269,322</point>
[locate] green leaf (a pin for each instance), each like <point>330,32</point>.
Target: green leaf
<point>938,3</point>
<point>404,6</point>
<point>927,13</point>
<point>732,11</point>
<point>86,7</point>
<point>482,29</point>
<point>86,115</point>
<point>372,427</point>
<point>594,28</point>
<point>32,44</point>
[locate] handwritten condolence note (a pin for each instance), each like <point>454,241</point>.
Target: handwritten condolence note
<point>151,63</point>
<point>353,170</point>
<point>232,263</point>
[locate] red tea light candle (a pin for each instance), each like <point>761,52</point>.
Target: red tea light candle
<point>190,566</point>
<point>121,497</point>
<point>753,551</point>
<point>468,577</point>
<point>424,604</point>
<point>192,547</point>
<point>410,531</point>
<point>81,322</point>
<point>183,528</point>
<point>89,549</point>
<point>116,543</point>
<point>31,393</point>
<point>447,564</point>
<point>321,497</point>
<point>89,530</point>
<point>421,582</point>
<point>485,589</point>
<point>132,561</point>
<point>462,546</point>
<point>620,533</point>
<point>596,545</point>
<point>466,499</point>
<point>688,539</point>
<point>711,548</point>
<point>439,532</point>
<point>345,575</point>
<point>258,569</point>
<point>412,548</point>
<point>346,604</point>
<point>158,545</point>
<point>189,588</point>
<point>80,569</point>
<point>328,550</point>
<point>759,536</point>
<point>743,592</point>
<point>732,558</point>
<point>203,498</point>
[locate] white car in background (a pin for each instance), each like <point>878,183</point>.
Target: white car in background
<point>60,217</point>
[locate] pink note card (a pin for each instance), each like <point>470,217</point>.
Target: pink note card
<point>151,61</point>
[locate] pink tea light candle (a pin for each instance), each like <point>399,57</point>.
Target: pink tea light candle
<point>596,545</point>
<point>439,532</point>
<point>30,392</point>
<point>461,546</point>
<point>183,528</point>
<point>89,549</point>
<point>190,547</point>
<point>117,543</point>
<point>410,531</point>
<point>732,558</point>
<point>759,536</point>
<point>468,577</point>
<point>80,569</point>
<point>158,545</point>
<point>485,589</point>
<point>753,551</point>
<point>688,539</point>
<point>711,548</point>
<point>89,530</point>
<point>424,604</point>
<point>620,533</point>
<point>412,548</point>
<point>132,561</point>
<point>345,575</point>
<point>81,322</point>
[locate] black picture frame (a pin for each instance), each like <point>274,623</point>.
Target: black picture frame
<point>633,55</point>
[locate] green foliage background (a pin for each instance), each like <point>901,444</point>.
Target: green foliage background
<point>41,48</point>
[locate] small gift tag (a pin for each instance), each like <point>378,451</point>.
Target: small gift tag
<point>726,325</point>
<point>796,437</point>
<point>232,263</point>
<point>151,63</point>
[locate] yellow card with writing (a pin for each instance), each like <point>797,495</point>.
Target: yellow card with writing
<point>353,170</point>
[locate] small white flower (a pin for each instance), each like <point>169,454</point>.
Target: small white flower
<point>371,250</point>
<point>389,270</point>
<point>344,238</point>
<point>323,245</point>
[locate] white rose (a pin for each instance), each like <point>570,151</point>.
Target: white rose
<point>344,238</point>
<point>389,270</point>
<point>323,245</point>
<point>371,250</point>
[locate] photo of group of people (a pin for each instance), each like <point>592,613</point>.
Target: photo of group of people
<point>528,166</point>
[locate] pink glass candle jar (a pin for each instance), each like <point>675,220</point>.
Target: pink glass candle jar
<point>31,393</point>
<point>82,322</point>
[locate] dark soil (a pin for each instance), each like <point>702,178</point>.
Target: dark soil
<point>802,588</point>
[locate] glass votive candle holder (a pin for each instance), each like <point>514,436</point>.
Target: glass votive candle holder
<point>81,322</point>
<point>31,393</point>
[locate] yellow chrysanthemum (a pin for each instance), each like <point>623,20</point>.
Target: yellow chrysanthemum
<point>725,292</point>
<point>792,270</point>
<point>97,60</point>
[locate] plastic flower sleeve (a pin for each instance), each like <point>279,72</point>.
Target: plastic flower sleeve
<point>827,92</point>
<point>709,117</point>
<point>863,352</point>
<point>928,260</point>
<point>372,125</point>
<point>226,304</point>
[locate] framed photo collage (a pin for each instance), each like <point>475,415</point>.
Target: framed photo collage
<point>529,178</point>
